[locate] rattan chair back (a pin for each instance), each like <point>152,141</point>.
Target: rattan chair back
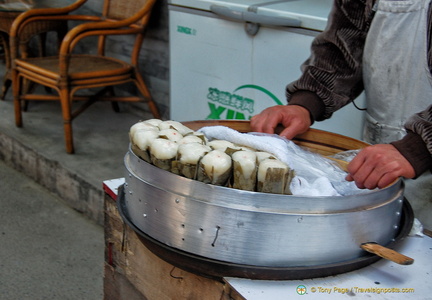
<point>121,10</point>
<point>70,72</point>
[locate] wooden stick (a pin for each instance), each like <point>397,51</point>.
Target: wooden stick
<point>427,232</point>
<point>387,253</point>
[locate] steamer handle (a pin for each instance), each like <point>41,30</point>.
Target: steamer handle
<point>252,17</point>
<point>387,253</point>
<point>341,163</point>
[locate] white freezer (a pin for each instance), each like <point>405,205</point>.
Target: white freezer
<point>220,69</point>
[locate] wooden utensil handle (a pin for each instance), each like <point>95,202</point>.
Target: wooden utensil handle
<point>387,253</point>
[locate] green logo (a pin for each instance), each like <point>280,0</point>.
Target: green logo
<point>301,290</point>
<point>259,88</point>
<point>186,30</point>
<point>233,105</point>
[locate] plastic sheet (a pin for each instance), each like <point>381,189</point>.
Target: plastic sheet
<point>315,175</point>
<point>417,229</point>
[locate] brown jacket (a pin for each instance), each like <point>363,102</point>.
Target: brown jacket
<point>332,77</point>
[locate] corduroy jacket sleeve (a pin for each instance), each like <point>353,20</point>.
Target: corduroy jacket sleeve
<point>416,146</point>
<point>332,77</point>
<point>333,71</point>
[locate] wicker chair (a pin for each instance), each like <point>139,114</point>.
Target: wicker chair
<point>38,29</point>
<point>70,72</point>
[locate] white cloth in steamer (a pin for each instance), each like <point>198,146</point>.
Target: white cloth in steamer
<point>315,175</point>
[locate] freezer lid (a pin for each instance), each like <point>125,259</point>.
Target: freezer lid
<point>310,14</point>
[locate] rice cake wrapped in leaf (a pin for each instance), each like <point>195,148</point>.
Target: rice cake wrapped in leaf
<point>184,130</point>
<point>200,135</point>
<point>261,155</point>
<point>170,134</point>
<point>140,126</point>
<point>188,156</point>
<point>163,152</point>
<point>244,148</point>
<point>244,170</point>
<point>274,176</point>
<point>154,122</point>
<point>192,139</point>
<point>220,145</point>
<point>141,141</point>
<point>291,175</point>
<point>215,168</point>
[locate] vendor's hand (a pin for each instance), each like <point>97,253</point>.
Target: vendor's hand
<point>378,166</point>
<point>295,119</point>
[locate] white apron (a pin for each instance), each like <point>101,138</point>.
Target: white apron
<point>398,83</point>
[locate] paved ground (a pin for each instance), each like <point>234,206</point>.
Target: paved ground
<point>47,250</point>
<point>51,203</point>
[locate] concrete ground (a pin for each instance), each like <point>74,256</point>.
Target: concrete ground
<point>51,236</point>
<point>48,250</point>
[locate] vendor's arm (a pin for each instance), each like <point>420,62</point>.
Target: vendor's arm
<point>294,118</point>
<point>332,76</point>
<point>379,165</point>
<point>333,72</point>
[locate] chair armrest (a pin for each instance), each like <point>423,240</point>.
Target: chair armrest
<point>95,29</point>
<point>42,14</point>
<point>101,28</point>
<point>107,27</point>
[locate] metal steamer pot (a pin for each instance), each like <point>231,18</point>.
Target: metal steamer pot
<point>257,235</point>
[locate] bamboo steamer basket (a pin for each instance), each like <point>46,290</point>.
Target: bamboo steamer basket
<point>259,230</point>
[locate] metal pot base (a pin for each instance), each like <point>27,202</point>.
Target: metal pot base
<point>216,269</point>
